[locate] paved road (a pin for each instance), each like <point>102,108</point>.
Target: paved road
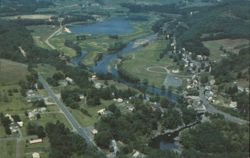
<point>211,109</point>
<point>82,131</point>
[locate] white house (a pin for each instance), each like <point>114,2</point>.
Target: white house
<point>94,131</point>
<point>70,80</point>
<point>35,155</point>
<point>119,100</point>
<point>233,105</point>
<point>35,141</point>
<point>101,112</point>
<point>20,123</point>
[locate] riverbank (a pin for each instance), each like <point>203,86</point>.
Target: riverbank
<point>170,138</point>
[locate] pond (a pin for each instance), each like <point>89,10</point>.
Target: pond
<point>112,26</point>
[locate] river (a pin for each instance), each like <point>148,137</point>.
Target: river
<point>101,67</point>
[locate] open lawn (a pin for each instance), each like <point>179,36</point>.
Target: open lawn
<point>85,120</point>
<point>8,148</point>
<point>15,104</point>
<point>53,117</point>
<point>142,60</point>
<point>46,70</point>
<point>12,72</point>
<point>42,148</point>
<point>232,45</point>
<point>42,31</point>
<point>58,42</point>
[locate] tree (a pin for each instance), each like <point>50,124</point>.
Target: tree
<point>204,78</point>
<point>172,119</point>
<point>163,89</point>
<point>103,139</point>
<point>165,102</point>
<point>16,118</point>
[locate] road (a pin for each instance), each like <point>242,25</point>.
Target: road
<point>211,109</point>
<point>82,131</point>
<point>52,35</point>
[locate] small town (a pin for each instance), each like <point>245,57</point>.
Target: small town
<point>124,79</point>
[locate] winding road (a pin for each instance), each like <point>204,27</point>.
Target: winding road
<point>52,35</point>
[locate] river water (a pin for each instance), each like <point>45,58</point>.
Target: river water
<point>112,26</point>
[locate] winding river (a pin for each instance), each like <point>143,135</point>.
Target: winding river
<point>102,66</point>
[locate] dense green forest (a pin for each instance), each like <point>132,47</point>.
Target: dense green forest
<point>216,139</point>
<point>12,36</point>
<point>67,144</point>
<point>14,7</point>
<point>227,20</point>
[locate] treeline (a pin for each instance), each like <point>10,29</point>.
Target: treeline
<point>66,144</point>
<point>128,77</point>
<point>76,18</point>
<point>17,7</point>
<point>117,46</point>
<point>71,97</point>
<point>213,21</point>
<point>73,45</point>
<point>137,8</point>
<point>28,22</point>
<point>231,68</point>
<point>12,36</point>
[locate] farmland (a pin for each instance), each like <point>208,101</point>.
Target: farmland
<point>12,72</point>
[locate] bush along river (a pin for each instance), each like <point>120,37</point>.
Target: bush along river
<point>169,139</point>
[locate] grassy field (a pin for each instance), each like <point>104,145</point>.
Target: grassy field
<point>40,33</point>
<point>233,45</point>
<point>15,103</point>
<point>53,118</point>
<point>46,70</point>
<point>58,42</point>
<point>145,58</point>
<point>8,148</point>
<point>85,120</point>
<point>12,72</point>
<point>42,148</point>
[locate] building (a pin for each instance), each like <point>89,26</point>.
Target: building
<point>94,131</point>
<point>101,112</point>
<point>35,155</point>
<point>35,141</point>
<point>69,80</point>
<point>20,124</point>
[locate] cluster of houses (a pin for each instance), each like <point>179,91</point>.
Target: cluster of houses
<point>195,103</point>
<point>98,85</point>
<point>14,126</point>
<point>32,96</point>
<point>32,115</point>
<point>88,4</point>
<point>193,83</point>
<point>209,94</point>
